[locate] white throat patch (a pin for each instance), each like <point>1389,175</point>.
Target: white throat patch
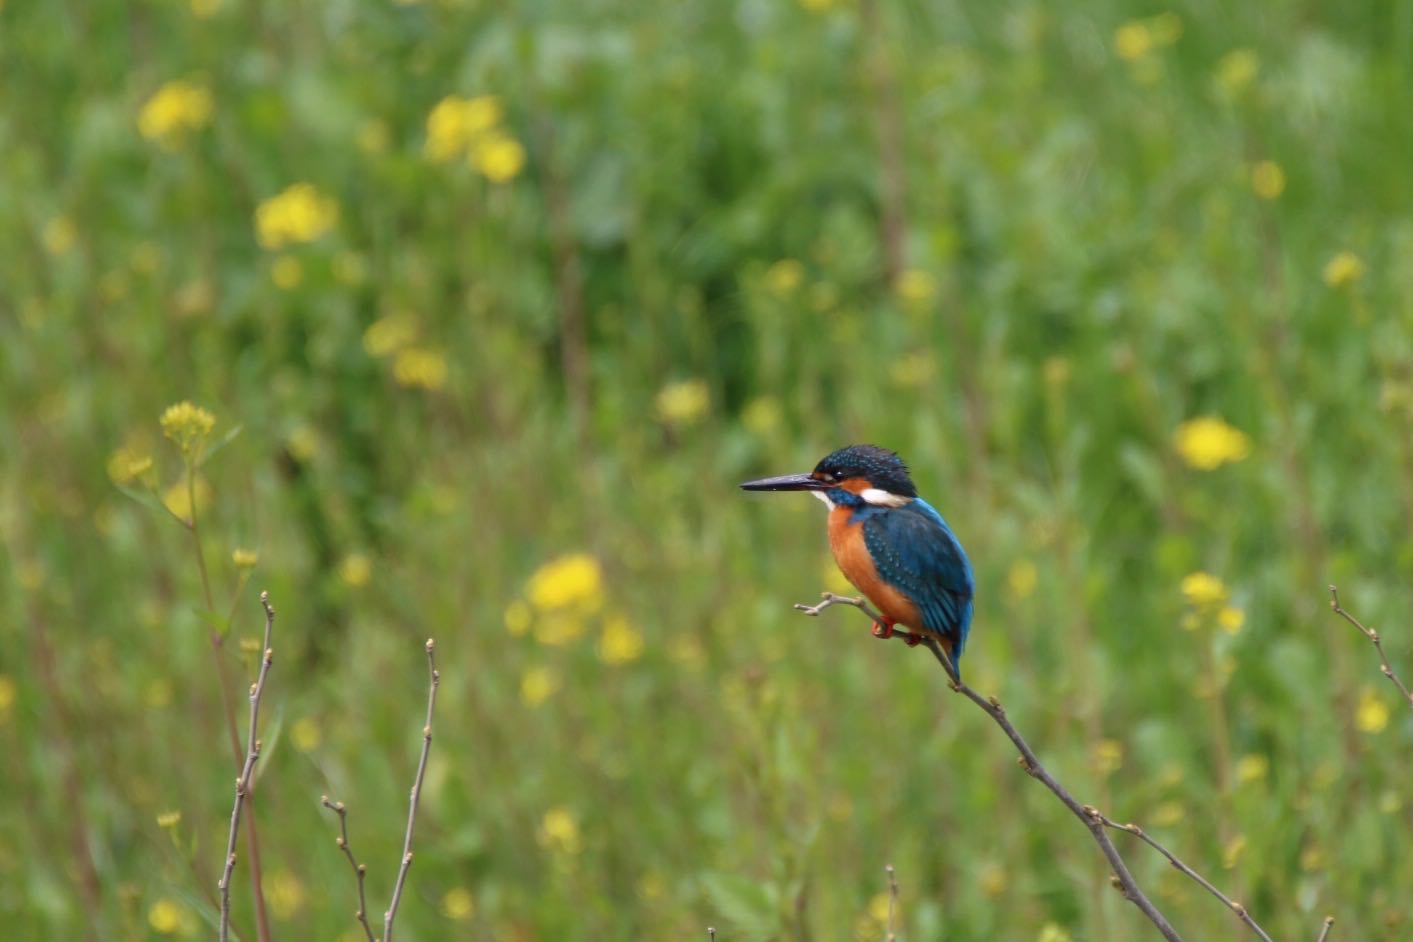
<point>882,498</point>
<point>820,494</point>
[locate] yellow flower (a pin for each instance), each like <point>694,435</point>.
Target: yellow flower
<point>518,617</point>
<point>878,908</point>
<point>305,734</point>
<point>1251,768</point>
<point>389,334</point>
<point>1203,591</point>
<point>169,819</point>
<point>572,581</point>
<point>455,123</point>
<point>1022,579</point>
<point>245,558</point>
<point>784,277</point>
<point>620,642</point>
<point>187,425</point>
<point>127,465</point>
<point>8,694</point>
<point>498,157</point>
<point>355,570</point>
<point>915,286</point>
<point>287,273</point>
<point>458,904</point>
<point>176,109</point>
<point>993,880</point>
<point>1230,619</point>
<point>178,498</point>
<point>286,894</point>
<point>537,685</point>
<point>1208,442</point>
<point>683,403</point>
<point>1132,40</point>
<point>559,831</point>
<point>1236,70</point>
<point>1344,268</point>
<point>302,442</point>
<point>420,368</point>
<point>1051,932</point>
<point>166,916</point>
<point>298,214</point>
<point>1372,714</point>
<point>1312,858</point>
<point>1267,179</point>
<point>60,234</point>
<point>1108,756</point>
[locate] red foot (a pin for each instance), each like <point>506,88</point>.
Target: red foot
<point>883,629</point>
<point>912,641</point>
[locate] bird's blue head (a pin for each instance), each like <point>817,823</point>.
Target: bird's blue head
<point>858,474</point>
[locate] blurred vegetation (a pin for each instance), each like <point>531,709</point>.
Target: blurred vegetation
<point>506,299</point>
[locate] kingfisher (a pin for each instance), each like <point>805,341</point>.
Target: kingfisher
<point>891,544</point>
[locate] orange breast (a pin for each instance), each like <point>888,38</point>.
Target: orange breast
<point>847,541</point>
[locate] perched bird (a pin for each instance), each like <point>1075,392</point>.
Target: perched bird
<point>891,544</point>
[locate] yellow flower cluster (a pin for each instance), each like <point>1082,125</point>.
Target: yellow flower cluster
<point>683,403</point>
<point>355,570</point>
<point>470,128</point>
<point>915,286</point>
<point>1372,714</point>
<point>1208,442</point>
<point>188,425</point>
<point>1136,39</point>
<point>569,582</point>
<point>1267,179</point>
<point>298,214</point>
<point>784,277</point>
<point>1207,600</point>
<point>245,558</point>
<point>620,642</point>
<point>1344,269</point>
<point>458,904</point>
<point>128,464</point>
<point>420,368</point>
<point>1236,71</point>
<point>559,832</point>
<point>175,110</point>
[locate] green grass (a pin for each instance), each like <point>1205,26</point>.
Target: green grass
<point>1086,263</point>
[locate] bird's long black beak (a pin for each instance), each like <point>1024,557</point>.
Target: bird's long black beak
<point>787,482</point>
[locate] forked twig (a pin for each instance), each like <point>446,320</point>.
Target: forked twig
<point>243,783</point>
<point>1373,637</point>
<point>416,792</point>
<point>1325,929</point>
<point>359,870</point>
<point>1183,868</point>
<point>338,807</point>
<point>1091,817</point>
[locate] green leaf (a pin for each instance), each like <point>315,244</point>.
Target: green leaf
<point>144,497</point>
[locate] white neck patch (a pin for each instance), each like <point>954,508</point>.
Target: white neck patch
<point>820,494</point>
<point>882,498</point>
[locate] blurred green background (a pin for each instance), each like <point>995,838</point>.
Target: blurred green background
<point>506,298</point>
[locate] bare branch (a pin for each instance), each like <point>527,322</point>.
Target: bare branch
<point>359,870</point>
<point>1325,929</point>
<point>416,792</point>
<point>1373,637</point>
<point>243,783</point>
<point>888,934</point>
<point>992,707</point>
<point>711,934</point>
<point>1196,877</point>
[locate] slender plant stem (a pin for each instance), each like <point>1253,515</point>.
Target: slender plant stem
<point>416,793</point>
<point>359,870</point>
<point>1325,929</point>
<point>262,917</point>
<point>1374,638</point>
<point>243,783</point>
<point>888,934</point>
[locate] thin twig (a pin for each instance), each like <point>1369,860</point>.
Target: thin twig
<point>1373,636</point>
<point>416,793</point>
<point>1196,877</point>
<point>711,934</point>
<point>359,870</point>
<point>992,707</point>
<point>243,783</point>
<point>888,934</point>
<point>1325,929</point>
